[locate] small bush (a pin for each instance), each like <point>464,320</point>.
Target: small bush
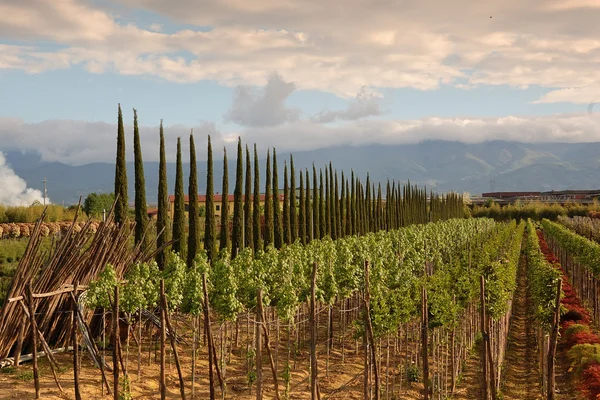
<point>582,355</point>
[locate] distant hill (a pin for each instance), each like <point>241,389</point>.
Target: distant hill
<point>441,165</point>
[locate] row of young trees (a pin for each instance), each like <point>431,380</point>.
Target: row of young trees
<point>327,203</point>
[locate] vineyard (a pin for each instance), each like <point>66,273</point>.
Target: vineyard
<point>340,289</point>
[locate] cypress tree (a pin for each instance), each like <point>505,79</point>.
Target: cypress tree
<point>331,203</point>
<point>342,205</point>
<point>193,243</point>
<point>141,209</point>
<point>348,230</point>
<point>256,226</point>
<point>379,209</point>
<point>352,205</point>
<point>302,213</point>
<point>163,203</point>
<point>179,212</point>
<point>277,222</point>
<point>224,236</point>
<point>238,221</point>
<point>210,230</point>
<point>287,235</point>
<point>368,209</point>
<point>336,208</point>
<point>268,205</point>
<point>308,231</point>
<point>293,214</point>
<point>120,173</point>
<point>327,205</point>
<point>316,220</point>
<point>322,215</point>
<point>248,231</point>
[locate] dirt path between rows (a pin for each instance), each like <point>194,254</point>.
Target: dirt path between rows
<point>522,375</point>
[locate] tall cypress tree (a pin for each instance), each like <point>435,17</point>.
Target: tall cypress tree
<point>327,205</point>
<point>331,203</point>
<point>287,235</point>
<point>292,207</point>
<point>224,236</point>
<point>248,231</point>
<point>163,202</point>
<point>238,221</point>
<point>301,213</point>
<point>316,220</point>
<point>379,205</point>
<point>256,225</point>
<point>277,231</point>
<point>141,209</point>
<point>193,213</point>
<point>120,173</point>
<point>353,230</point>
<point>341,206</point>
<point>322,215</point>
<point>336,208</point>
<point>179,212</point>
<point>307,210</point>
<point>210,231</point>
<point>268,205</point>
<point>348,230</point>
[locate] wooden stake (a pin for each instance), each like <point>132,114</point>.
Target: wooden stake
<point>424,345</point>
<point>115,350</point>
<point>313,336</point>
<point>486,375</point>
<point>173,344</point>
<point>258,334</point>
<point>75,345</point>
<point>163,378</point>
<point>553,342</point>
<point>33,325</point>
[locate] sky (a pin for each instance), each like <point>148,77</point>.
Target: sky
<point>296,75</point>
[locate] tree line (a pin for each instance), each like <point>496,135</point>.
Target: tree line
<point>315,203</point>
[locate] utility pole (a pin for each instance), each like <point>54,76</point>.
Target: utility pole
<point>45,190</point>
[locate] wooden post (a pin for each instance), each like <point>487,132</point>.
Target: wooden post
<point>270,355</point>
<point>369,331</point>
<point>195,334</point>
<point>313,335</point>
<point>33,326</point>
<point>553,342</point>
<point>20,338</point>
<point>163,378</point>
<point>486,376</point>
<point>75,344</point>
<point>424,345</point>
<point>258,334</point>
<point>173,345</point>
<point>206,334</point>
<point>490,358</point>
<point>115,349</point>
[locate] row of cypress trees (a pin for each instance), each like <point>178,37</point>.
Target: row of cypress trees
<point>336,205</point>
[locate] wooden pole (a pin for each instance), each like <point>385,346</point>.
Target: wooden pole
<point>173,346</point>
<point>207,334</point>
<point>33,326</point>
<point>424,344</point>
<point>115,347</point>
<point>269,354</point>
<point>163,378</point>
<point>553,342</point>
<point>486,376</point>
<point>258,334</point>
<point>19,347</point>
<point>313,336</point>
<point>369,331</point>
<point>75,345</point>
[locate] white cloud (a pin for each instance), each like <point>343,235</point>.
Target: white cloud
<point>366,104</point>
<point>268,108</point>
<point>14,188</point>
<point>77,142</point>
<point>337,46</point>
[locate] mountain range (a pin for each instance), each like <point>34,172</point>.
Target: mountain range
<point>440,165</point>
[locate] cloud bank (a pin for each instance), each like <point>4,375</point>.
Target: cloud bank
<point>79,142</point>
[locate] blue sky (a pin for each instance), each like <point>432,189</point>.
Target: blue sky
<point>298,75</point>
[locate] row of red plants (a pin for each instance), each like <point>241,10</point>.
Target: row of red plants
<point>580,343</point>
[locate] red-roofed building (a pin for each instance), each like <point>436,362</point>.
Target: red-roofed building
<point>217,201</point>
